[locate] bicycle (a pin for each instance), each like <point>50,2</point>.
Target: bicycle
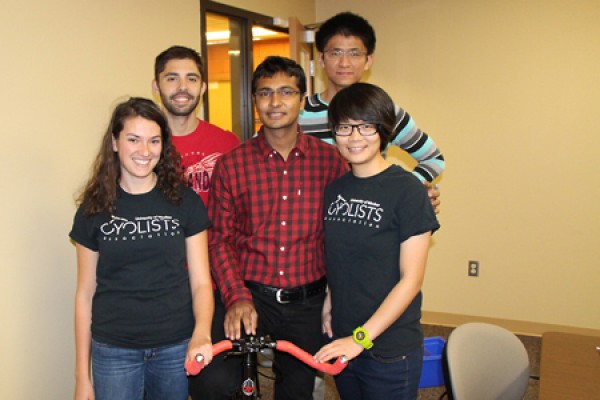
<point>249,348</point>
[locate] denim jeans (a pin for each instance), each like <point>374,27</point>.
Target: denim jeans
<point>139,374</point>
<point>372,377</point>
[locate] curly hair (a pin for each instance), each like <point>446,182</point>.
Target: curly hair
<point>100,192</point>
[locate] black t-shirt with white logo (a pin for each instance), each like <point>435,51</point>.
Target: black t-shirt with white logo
<point>143,296</point>
<point>366,220</point>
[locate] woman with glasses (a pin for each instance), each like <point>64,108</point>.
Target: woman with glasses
<point>378,224</point>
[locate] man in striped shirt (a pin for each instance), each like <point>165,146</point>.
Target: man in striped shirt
<point>346,43</point>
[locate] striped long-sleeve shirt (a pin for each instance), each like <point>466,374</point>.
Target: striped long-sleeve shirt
<point>407,136</point>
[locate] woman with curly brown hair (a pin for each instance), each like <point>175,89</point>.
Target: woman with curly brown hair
<point>144,299</point>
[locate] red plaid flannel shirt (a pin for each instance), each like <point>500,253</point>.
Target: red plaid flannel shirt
<point>267,215</point>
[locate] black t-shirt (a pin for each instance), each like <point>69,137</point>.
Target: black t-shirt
<point>366,220</point>
<point>143,296</point>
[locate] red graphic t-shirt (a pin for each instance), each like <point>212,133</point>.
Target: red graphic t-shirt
<point>199,151</point>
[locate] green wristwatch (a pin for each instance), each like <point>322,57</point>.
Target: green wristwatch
<point>361,336</point>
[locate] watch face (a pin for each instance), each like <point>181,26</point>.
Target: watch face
<point>360,335</point>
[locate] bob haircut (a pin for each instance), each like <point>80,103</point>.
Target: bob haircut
<point>100,192</point>
<point>177,53</point>
<point>273,65</point>
<point>346,24</point>
<point>364,102</point>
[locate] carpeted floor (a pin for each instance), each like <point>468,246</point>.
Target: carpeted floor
<point>532,344</point>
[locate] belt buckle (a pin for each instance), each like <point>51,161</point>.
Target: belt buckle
<point>278,297</point>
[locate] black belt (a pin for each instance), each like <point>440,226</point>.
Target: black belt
<point>293,295</point>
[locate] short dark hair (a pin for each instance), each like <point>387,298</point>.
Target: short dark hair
<point>176,53</point>
<point>346,24</point>
<point>273,65</point>
<point>365,102</point>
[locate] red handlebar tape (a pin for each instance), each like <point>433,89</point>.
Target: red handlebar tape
<point>194,367</point>
<point>331,369</point>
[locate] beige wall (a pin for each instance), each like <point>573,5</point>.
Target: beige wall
<point>303,9</point>
<point>510,92</point>
<point>64,65</point>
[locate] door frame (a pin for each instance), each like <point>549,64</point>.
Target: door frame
<point>246,19</point>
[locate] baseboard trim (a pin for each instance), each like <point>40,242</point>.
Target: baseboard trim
<point>528,328</point>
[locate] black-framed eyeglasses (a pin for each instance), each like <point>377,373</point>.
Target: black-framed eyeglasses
<point>365,129</point>
<point>337,54</point>
<point>284,93</point>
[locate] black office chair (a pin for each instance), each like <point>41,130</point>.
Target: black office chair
<point>486,362</point>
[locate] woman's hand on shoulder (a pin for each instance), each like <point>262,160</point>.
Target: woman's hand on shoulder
<point>434,195</point>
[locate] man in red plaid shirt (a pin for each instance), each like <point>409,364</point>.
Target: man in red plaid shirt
<point>266,245</point>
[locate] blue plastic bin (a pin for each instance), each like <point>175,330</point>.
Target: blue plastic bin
<point>432,373</point>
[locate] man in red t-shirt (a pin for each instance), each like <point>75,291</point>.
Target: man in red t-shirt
<point>179,83</point>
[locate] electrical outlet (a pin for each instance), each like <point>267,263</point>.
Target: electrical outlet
<point>473,268</point>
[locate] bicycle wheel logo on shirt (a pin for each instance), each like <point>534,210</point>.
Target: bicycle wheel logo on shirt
<point>143,227</point>
<point>355,211</point>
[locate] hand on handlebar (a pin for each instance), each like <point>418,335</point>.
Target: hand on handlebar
<point>331,369</point>
<point>200,349</point>
<point>238,314</point>
<point>193,367</point>
<point>344,347</point>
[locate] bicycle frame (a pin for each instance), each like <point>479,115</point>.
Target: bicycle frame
<point>249,349</point>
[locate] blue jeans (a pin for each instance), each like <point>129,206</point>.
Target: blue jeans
<point>372,377</point>
<point>139,374</point>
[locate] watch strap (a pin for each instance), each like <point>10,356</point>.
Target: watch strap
<point>361,337</point>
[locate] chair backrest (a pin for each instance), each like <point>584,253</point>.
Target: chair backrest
<point>486,362</point>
